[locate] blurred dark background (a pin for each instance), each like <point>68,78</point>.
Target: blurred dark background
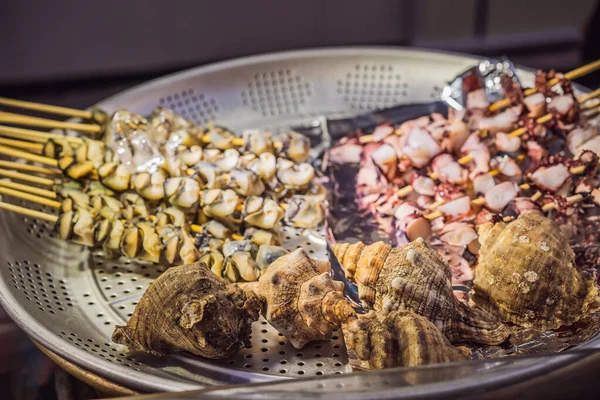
<point>74,53</point>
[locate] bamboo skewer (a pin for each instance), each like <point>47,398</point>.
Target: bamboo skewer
<point>29,189</point>
<point>43,137</point>
<point>479,201</point>
<point>29,197</point>
<point>51,194</point>
<point>28,156</point>
<point>56,204</point>
<point>433,215</point>
<point>47,108</point>
<point>576,198</point>
<point>588,96</point>
<point>574,74</point>
<point>26,177</point>
<point>28,212</point>
<point>34,136</point>
<point>48,123</point>
<point>28,167</point>
<point>518,132</point>
<point>235,141</point>
<point>34,147</point>
<point>541,120</point>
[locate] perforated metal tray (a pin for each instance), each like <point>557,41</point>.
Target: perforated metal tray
<point>69,299</point>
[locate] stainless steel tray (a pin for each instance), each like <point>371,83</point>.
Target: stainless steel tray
<point>69,299</point>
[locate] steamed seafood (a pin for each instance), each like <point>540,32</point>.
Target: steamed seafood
<point>416,278</point>
<point>526,274</point>
<point>301,300</point>
<point>400,338</point>
<point>188,308</point>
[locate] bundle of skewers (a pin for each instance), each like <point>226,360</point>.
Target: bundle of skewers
<point>163,190</point>
<point>439,178</point>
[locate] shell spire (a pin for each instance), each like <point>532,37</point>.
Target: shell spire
<point>416,278</point>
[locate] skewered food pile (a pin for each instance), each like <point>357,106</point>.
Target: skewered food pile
<point>485,187</point>
<point>414,317</point>
<point>165,191</point>
<point>441,178</point>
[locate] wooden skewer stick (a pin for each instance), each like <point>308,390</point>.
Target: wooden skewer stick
<point>28,167</point>
<point>464,160</point>
<point>28,212</point>
<point>516,133</point>
<point>48,123</point>
<point>576,198</point>
<point>574,74</point>
<point>199,228</point>
<point>548,117</point>
<point>34,136</point>
<point>29,197</point>
<point>235,141</point>
<point>43,137</point>
<point>34,147</point>
<point>56,204</point>
<point>26,177</point>
<point>29,189</point>
<point>29,105</point>
<point>589,96</point>
<point>433,215</point>
<point>589,106</point>
<point>477,202</point>
<point>536,196</point>
<point>28,156</point>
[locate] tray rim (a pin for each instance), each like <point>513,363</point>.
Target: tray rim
<point>139,380</point>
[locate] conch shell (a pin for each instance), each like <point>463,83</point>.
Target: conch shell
<point>188,308</point>
<point>301,300</point>
<point>401,338</point>
<point>415,278</point>
<point>526,274</point>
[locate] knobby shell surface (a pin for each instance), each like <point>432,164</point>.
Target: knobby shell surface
<point>526,275</point>
<point>188,308</point>
<point>416,278</point>
<point>301,300</point>
<point>401,338</point>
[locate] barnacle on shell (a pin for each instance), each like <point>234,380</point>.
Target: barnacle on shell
<point>401,338</point>
<point>188,308</point>
<point>301,300</point>
<point>526,274</point>
<point>415,278</point>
